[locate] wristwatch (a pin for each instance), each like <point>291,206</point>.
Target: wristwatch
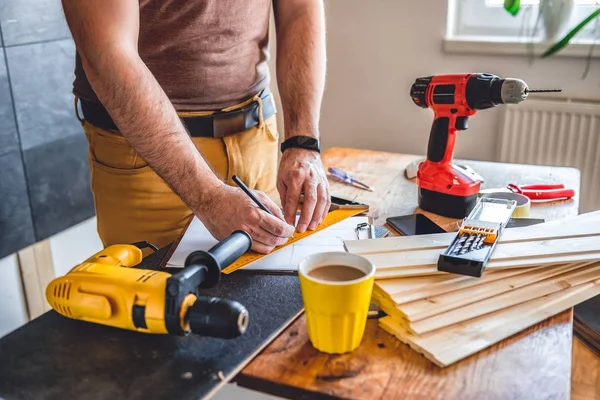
<point>302,142</point>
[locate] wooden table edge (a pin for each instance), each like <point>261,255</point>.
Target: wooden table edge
<point>280,389</point>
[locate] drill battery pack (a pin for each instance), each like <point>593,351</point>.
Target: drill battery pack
<point>474,244</point>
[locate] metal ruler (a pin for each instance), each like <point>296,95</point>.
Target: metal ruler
<point>332,218</point>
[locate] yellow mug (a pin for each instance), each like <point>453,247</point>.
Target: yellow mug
<point>336,299</point>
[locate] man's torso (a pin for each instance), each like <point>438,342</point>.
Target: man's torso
<point>206,54</point>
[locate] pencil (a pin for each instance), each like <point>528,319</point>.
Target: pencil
<point>250,194</point>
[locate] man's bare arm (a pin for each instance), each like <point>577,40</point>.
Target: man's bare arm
<point>301,70</point>
<point>106,35</point>
<point>301,63</point>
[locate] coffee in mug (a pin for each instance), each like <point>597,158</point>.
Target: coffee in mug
<point>336,273</point>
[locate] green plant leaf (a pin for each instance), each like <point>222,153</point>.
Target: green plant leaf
<point>512,6</point>
<point>564,41</point>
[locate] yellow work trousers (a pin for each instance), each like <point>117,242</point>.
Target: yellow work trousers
<point>133,203</point>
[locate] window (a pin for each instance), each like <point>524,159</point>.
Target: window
<point>487,20</point>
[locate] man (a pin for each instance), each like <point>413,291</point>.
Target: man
<point>175,100</point>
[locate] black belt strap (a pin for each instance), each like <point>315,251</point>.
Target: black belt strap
<point>217,125</point>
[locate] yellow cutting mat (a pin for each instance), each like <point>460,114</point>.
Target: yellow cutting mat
<point>332,218</point>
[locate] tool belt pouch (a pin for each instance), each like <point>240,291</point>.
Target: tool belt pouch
<point>217,125</point>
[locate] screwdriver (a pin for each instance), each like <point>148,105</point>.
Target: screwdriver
<point>345,177</point>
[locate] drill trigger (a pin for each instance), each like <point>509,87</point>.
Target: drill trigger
<point>462,123</point>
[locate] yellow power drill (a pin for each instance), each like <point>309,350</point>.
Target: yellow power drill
<point>107,289</point>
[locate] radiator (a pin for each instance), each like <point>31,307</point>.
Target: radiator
<point>555,133</point>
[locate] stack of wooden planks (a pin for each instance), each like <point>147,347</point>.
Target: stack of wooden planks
<point>534,273</point>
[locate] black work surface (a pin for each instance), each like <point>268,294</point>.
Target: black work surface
<point>55,357</point>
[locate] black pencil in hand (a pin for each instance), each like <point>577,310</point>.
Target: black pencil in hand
<point>250,194</point>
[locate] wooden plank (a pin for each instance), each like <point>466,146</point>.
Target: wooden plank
<point>450,283</point>
<point>457,342</point>
<point>433,305</point>
<point>392,273</point>
<point>508,299</point>
<point>395,286</point>
<point>419,283</point>
<point>527,313</point>
<point>37,270</point>
<point>502,252</point>
<point>408,273</point>
<point>385,303</point>
<point>581,225</point>
<point>389,305</point>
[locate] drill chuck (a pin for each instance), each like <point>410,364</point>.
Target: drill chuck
<point>221,318</point>
<point>513,91</point>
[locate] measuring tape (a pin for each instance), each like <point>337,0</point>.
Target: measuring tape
<point>332,218</point>
<point>523,203</point>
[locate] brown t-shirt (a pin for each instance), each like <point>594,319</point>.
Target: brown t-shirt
<point>206,54</point>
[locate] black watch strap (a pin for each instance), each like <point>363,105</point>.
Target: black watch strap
<point>302,142</point>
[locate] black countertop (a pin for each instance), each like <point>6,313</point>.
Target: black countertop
<point>53,357</point>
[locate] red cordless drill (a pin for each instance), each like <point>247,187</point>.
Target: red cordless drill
<point>444,188</point>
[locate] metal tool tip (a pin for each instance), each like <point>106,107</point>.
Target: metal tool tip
<point>544,90</point>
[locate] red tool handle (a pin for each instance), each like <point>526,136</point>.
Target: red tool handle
<point>543,186</point>
<point>549,194</point>
<point>543,191</point>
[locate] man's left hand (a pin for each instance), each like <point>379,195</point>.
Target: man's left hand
<point>302,171</point>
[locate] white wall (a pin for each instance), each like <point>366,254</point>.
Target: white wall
<point>13,307</point>
<point>376,48</point>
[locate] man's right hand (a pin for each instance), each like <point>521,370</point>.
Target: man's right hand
<point>228,209</point>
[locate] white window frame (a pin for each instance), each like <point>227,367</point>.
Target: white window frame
<point>483,26</point>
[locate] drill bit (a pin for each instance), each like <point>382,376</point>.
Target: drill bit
<point>542,90</point>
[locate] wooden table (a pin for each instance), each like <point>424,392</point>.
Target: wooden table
<point>534,364</point>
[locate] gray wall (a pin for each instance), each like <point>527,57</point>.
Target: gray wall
<point>44,176</point>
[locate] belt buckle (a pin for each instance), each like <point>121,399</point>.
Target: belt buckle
<point>228,123</point>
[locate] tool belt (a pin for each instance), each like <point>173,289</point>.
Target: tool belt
<point>217,125</point>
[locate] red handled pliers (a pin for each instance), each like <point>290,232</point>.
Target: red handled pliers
<point>542,192</point>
